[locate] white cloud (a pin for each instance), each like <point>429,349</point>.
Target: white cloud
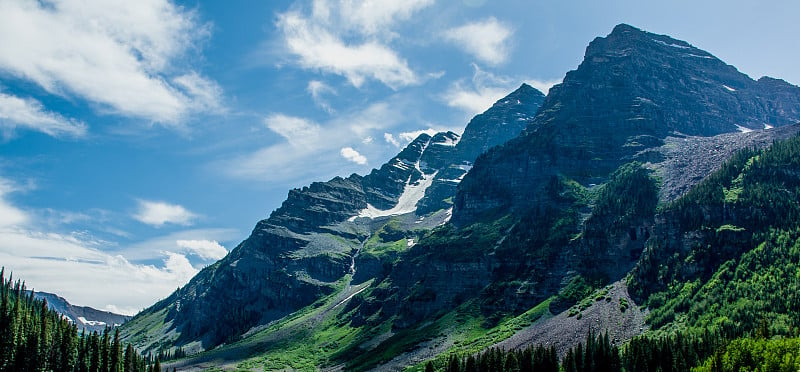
<point>126,56</point>
<point>297,131</point>
<point>87,276</point>
<point>74,266</point>
<point>157,214</point>
<point>317,89</point>
<point>352,155</point>
<point>389,138</point>
<point>486,40</point>
<point>350,39</point>
<point>29,113</point>
<point>373,17</point>
<point>543,85</point>
<point>480,93</point>
<point>206,249</point>
<point>289,161</point>
<point>319,49</point>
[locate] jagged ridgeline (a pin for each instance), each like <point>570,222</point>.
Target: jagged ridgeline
<point>35,338</point>
<point>329,233</point>
<point>651,167</point>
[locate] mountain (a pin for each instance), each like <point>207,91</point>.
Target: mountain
<point>83,317</point>
<point>633,90</point>
<point>652,193</point>
<point>319,239</point>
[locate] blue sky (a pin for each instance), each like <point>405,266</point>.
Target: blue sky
<point>142,140</point>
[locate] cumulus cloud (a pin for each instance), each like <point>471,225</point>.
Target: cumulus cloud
<point>478,94</point>
<point>30,114</point>
<point>486,40</point>
<point>206,249</point>
<point>352,155</point>
<point>350,39</point>
<point>157,214</point>
<point>125,56</point>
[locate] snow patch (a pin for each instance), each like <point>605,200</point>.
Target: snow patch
<point>728,88</point>
<point>672,44</point>
<point>767,126</point>
<point>698,56</point>
<point>407,203</point>
<point>91,322</point>
<point>410,243</point>
<point>743,129</point>
<point>449,215</point>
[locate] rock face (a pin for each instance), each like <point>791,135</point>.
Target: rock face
<point>306,247</point>
<point>84,317</point>
<point>520,230</point>
<point>633,90</point>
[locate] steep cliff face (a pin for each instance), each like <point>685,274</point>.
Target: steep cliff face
<point>632,90</point>
<point>305,249</point>
<point>558,202</point>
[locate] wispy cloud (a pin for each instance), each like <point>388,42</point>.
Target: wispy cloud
<point>96,278</point>
<point>352,155</point>
<point>157,214</point>
<point>479,93</point>
<point>412,135</point>
<point>486,40</point>
<point>30,114</point>
<point>10,215</point>
<point>297,131</point>
<point>125,56</point>
<point>350,39</point>
<point>543,85</point>
<point>309,142</point>
<point>317,89</point>
<point>389,138</point>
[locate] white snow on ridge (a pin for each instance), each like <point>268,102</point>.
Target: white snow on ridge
<point>407,203</point>
<point>672,45</point>
<point>91,322</point>
<point>767,126</point>
<point>728,88</point>
<point>743,129</point>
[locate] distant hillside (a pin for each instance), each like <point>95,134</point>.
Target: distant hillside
<point>83,317</point>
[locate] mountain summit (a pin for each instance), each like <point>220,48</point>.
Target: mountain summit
<point>632,90</point>
<point>534,215</point>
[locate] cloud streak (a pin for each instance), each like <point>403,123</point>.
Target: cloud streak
<point>121,55</point>
<point>30,114</point>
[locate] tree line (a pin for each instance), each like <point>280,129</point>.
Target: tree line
<point>35,338</point>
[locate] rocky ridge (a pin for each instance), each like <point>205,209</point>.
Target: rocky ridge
<point>306,247</point>
<point>632,90</point>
